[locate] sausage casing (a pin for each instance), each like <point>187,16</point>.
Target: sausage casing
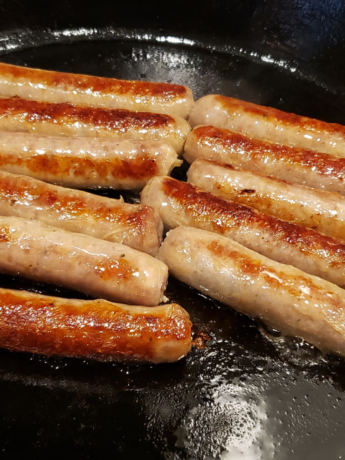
<point>301,166</point>
<point>269,124</point>
<point>282,296</point>
<point>139,227</point>
<point>99,268</point>
<point>68,120</point>
<point>320,210</point>
<point>183,204</point>
<point>109,93</point>
<point>93,329</point>
<point>81,162</point>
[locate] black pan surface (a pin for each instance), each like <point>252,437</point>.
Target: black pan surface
<point>249,394</point>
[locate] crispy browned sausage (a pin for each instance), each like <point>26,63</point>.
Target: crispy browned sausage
<point>269,124</point>
<point>69,120</point>
<point>139,227</point>
<point>93,329</point>
<point>50,86</point>
<point>320,210</point>
<point>180,203</point>
<point>301,166</point>
<point>81,162</point>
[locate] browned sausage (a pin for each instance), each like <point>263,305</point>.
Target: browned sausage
<point>69,120</point>
<point>93,329</point>
<point>180,203</point>
<point>301,166</point>
<point>320,210</point>
<point>139,227</point>
<point>269,124</point>
<point>81,162</point>
<point>282,296</point>
<point>109,93</point>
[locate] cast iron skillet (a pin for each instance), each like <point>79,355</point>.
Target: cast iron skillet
<point>249,394</point>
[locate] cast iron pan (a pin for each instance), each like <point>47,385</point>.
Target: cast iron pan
<point>249,394</point>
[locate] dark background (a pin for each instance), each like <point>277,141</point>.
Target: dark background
<point>310,30</point>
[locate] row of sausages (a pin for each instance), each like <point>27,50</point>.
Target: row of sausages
<point>270,248</point>
<point>87,132</point>
<point>293,224</point>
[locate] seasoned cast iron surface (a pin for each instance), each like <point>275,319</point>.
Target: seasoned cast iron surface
<point>248,394</point>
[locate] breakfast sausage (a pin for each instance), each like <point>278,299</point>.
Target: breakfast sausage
<point>139,227</point>
<point>81,162</point>
<point>269,124</point>
<point>301,166</point>
<point>69,120</point>
<point>320,210</point>
<point>282,296</point>
<point>183,204</point>
<point>99,268</point>
<point>109,93</point>
<point>93,329</point>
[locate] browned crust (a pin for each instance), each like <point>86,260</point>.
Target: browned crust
<point>223,215</point>
<point>164,92</point>
<point>274,115</point>
<point>68,114</point>
<point>92,329</point>
<point>140,168</point>
<point>321,163</point>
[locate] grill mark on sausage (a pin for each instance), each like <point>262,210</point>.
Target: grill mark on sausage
<point>322,163</point>
<point>42,325</point>
<point>286,118</point>
<point>166,92</point>
<point>63,113</point>
<point>223,215</point>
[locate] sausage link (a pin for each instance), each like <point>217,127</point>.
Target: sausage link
<point>139,227</point>
<point>183,204</point>
<point>68,120</point>
<point>81,162</point>
<point>282,296</point>
<point>269,124</point>
<point>93,329</point>
<point>109,93</point>
<point>322,211</point>
<point>99,268</point>
<point>301,166</point>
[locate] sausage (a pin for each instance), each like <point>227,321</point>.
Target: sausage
<point>69,120</point>
<point>109,93</point>
<point>269,124</point>
<point>81,162</point>
<point>183,204</point>
<point>139,227</point>
<point>301,166</point>
<point>99,268</point>
<point>320,210</point>
<point>93,329</point>
<point>281,296</point>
